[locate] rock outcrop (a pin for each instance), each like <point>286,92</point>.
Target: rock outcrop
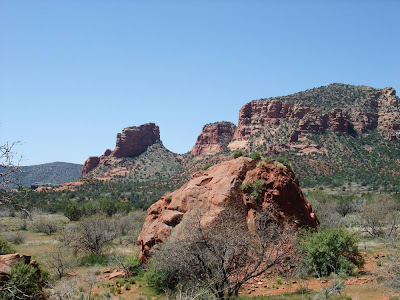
<point>219,189</point>
<point>7,262</point>
<point>370,109</point>
<point>135,140</point>
<point>131,142</point>
<point>214,138</point>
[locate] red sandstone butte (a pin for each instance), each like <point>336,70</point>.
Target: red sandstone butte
<point>131,142</point>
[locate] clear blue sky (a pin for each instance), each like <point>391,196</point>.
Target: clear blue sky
<point>74,73</point>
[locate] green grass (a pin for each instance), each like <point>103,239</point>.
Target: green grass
<point>94,260</point>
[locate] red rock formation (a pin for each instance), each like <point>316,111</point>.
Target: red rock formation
<point>255,115</point>
<point>214,138</point>
<point>379,109</point>
<point>7,262</point>
<point>131,142</point>
<point>218,189</point>
<point>339,121</point>
<point>135,140</point>
<point>90,164</point>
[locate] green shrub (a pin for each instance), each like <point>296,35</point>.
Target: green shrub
<point>74,211</point>
<point>255,155</point>
<point>281,166</point>
<point>255,189</point>
<point>94,259</point>
<point>24,283</point>
<point>160,277</point>
<point>330,250</point>
<point>207,166</point>
<point>157,280</point>
<point>5,247</point>
<point>283,160</point>
<point>133,265</point>
<point>238,153</point>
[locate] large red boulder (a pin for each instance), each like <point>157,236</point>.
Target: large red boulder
<point>220,189</point>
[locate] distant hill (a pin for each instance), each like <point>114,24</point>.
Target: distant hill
<point>50,173</point>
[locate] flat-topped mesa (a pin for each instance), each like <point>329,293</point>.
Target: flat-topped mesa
<point>353,111</point>
<point>131,142</point>
<point>214,138</point>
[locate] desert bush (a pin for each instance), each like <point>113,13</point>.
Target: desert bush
<point>5,247</point>
<point>283,160</point>
<point>256,156</point>
<point>160,279</point>
<point>238,153</point>
<point>94,260</point>
<point>379,217</point>
<point>92,234</point>
<point>327,213</point>
<point>207,166</point>
<point>15,237</point>
<point>220,258</point>
<point>329,250</point>
<point>45,226</point>
<point>24,283</point>
<point>74,211</point>
<point>254,189</point>
<point>60,260</point>
<point>131,264</point>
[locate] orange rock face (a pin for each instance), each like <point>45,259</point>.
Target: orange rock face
<point>379,109</point>
<point>214,138</point>
<point>217,190</point>
<point>7,262</point>
<point>131,142</point>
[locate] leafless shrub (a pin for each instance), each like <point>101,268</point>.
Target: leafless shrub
<point>333,290</point>
<point>61,261</point>
<point>15,237</point>
<point>222,257</point>
<point>45,226</point>
<point>188,292</point>
<point>8,178</point>
<point>379,217</point>
<point>91,234</point>
<point>327,213</point>
<point>67,287</point>
<point>5,212</point>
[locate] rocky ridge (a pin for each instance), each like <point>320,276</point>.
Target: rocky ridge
<point>324,131</point>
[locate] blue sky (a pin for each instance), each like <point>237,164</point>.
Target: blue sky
<point>74,73</point>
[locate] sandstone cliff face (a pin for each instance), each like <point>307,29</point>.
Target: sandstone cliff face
<point>135,140</point>
<point>214,138</point>
<point>131,142</point>
<point>217,190</point>
<point>377,109</point>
